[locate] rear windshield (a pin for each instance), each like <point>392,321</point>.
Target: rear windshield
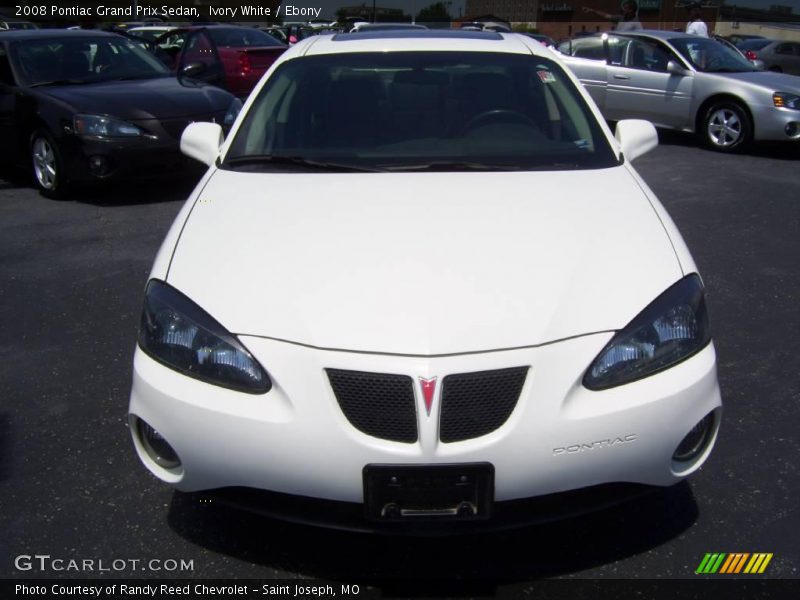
<point>440,110</point>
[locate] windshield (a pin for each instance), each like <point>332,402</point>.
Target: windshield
<point>710,56</point>
<point>84,60</point>
<point>421,110</point>
<point>241,37</point>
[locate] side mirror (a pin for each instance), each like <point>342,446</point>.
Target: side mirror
<point>636,137</point>
<point>202,141</point>
<point>193,69</point>
<point>673,68</point>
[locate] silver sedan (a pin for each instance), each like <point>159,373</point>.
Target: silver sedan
<point>688,83</point>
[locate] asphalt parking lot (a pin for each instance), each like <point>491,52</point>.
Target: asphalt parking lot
<point>71,280</point>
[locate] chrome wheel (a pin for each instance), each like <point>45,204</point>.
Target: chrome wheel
<point>724,127</point>
<point>45,166</point>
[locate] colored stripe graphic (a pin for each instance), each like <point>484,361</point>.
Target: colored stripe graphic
<point>710,563</point>
<point>758,563</point>
<point>733,563</point>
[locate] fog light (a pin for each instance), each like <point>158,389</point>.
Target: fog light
<point>98,165</point>
<point>792,129</point>
<point>157,448</point>
<point>696,440</point>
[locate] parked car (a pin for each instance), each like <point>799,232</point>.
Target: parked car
<point>738,38</point>
<point>409,347</point>
<point>151,32</point>
<point>778,55</point>
<point>231,57</point>
<point>16,25</point>
<point>688,83</point>
<point>89,106</point>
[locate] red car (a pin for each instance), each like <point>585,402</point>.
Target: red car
<point>231,57</point>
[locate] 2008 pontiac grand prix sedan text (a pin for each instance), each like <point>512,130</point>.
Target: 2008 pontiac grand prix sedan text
<point>470,297</point>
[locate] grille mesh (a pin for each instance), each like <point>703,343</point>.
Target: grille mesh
<point>474,404</point>
<point>378,404</point>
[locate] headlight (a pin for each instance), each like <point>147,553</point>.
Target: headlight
<point>233,112</point>
<point>99,126</point>
<point>672,328</point>
<point>783,100</point>
<point>181,335</point>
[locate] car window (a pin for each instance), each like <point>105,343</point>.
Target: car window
<point>591,48</point>
<point>405,109</point>
<point>646,55</point>
<point>617,50</point>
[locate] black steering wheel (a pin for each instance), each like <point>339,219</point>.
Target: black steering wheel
<point>496,114</point>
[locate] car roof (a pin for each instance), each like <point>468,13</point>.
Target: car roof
<point>38,34</point>
<point>422,40</point>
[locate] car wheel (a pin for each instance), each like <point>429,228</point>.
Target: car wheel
<point>48,173</point>
<point>727,127</point>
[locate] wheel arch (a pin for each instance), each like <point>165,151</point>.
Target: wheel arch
<point>703,108</point>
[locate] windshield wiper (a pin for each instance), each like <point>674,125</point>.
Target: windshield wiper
<point>444,166</point>
<point>60,82</point>
<point>297,161</point>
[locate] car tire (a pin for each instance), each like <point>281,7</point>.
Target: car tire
<point>726,127</point>
<point>47,166</point>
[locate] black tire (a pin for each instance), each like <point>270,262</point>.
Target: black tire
<point>726,127</point>
<point>46,165</point>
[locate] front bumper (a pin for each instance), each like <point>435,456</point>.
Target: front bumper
<point>156,154</point>
<point>124,159</point>
<point>296,440</point>
<point>776,124</point>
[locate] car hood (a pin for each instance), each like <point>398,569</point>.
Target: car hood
<point>160,98</point>
<point>768,79</point>
<point>423,264</point>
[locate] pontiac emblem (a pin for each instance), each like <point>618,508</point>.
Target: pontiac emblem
<point>428,390</point>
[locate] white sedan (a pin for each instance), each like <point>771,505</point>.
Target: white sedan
<point>419,285</point>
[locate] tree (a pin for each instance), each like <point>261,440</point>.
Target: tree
<point>434,12</point>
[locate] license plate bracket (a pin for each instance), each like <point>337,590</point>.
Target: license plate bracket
<point>446,492</point>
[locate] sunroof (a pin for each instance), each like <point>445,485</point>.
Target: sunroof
<point>418,34</point>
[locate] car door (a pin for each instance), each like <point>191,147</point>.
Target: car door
<point>586,58</point>
<point>199,59</point>
<point>641,87</point>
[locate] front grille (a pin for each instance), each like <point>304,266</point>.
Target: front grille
<point>474,404</point>
<point>378,404</point>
